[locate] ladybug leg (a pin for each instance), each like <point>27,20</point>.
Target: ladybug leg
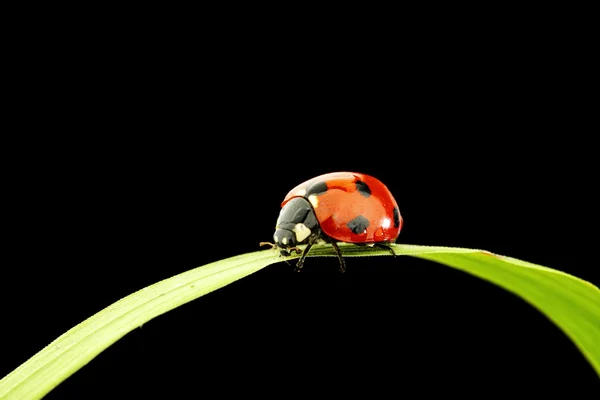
<point>298,250</point>
<point>267,244</point>
<point>338,252</point>
<point>300,262</point>
<point>386,247</point>
<point>311,241</point>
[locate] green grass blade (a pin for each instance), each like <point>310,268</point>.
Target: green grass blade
<point>78,346</point>
<point>571,303</point>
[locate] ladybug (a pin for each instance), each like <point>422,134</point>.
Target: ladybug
<point>345,207</point>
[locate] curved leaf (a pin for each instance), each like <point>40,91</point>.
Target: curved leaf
<point>571,303</point>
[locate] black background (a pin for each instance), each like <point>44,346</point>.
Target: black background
<point>173,157</point>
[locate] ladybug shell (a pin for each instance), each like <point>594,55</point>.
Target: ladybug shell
<point>351,207</point>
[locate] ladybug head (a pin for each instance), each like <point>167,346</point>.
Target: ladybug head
<point>284,239</point>
<point>296,223</point>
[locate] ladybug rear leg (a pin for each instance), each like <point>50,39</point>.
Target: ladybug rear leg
<point>385,246</point>
<point>381,245</point>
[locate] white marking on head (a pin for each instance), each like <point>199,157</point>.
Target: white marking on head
<point>314,200</point>
<point>386,223</point>
<point>301,231</point>
<point>301,192</point>
<point>275,238</point>
<point>284,240</point>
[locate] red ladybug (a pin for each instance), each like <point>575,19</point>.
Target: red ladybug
<point>337,207</point>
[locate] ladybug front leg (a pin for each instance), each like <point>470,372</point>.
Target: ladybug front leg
<point>300,262</point>
<point>312,239</point>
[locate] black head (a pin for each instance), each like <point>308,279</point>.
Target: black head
<point>284,239</point>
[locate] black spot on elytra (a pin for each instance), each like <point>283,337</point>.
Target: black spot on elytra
<point>363,188</point>
<point>358,225</point>
<point>396,217</point>
<point>316,188</point>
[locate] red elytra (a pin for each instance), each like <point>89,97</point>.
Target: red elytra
<point>346,202</point>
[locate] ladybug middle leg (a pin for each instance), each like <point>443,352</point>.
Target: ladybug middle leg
<point>338,252</point>
<point>314,240</point>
